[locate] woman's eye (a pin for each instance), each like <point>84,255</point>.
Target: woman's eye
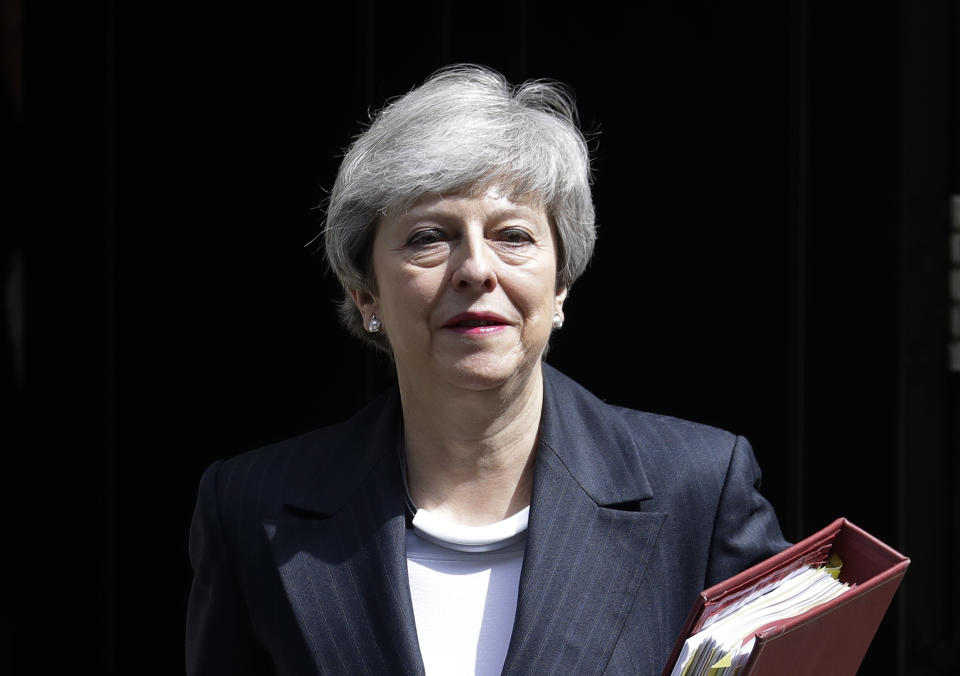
<point>515,236</point>
<point>426,237</point>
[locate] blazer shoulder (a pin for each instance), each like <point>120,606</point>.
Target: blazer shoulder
<point>259,479</point>
<point>642,421</point>
<point>276,454</point>
<point>323,462</point>
<point>672,454</point>
<point>697,434</point>
<point>683,444</point>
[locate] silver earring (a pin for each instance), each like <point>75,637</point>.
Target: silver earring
<point>557,321</point>
<point>374,326</point>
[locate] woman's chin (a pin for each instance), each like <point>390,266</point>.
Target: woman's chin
<point>487,372</point>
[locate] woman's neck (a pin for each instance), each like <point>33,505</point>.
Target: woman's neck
<point>470,454</point>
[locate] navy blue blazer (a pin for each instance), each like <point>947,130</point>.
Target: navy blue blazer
<point>300,568</point>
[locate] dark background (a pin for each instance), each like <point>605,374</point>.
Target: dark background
<point>772,188</point>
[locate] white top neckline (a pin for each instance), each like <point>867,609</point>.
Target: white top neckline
<point>490,537</point>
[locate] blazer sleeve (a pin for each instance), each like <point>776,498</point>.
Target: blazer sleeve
<point>219,637</point>
<point>745,529</point>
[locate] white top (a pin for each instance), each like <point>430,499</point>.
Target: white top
<point>463,583</point>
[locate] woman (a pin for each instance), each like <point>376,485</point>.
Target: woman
<point>488,513</point>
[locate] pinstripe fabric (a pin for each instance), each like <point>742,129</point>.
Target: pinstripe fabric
<point>298,548</point>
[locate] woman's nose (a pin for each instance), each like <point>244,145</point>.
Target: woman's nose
<point>474,265</point>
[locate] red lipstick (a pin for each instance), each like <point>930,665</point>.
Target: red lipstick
<point>476,323</point>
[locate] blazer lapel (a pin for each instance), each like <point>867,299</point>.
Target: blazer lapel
<point>340,549</point>
<point>589,538</point>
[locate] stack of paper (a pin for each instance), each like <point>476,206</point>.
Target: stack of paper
<point>723,645</point>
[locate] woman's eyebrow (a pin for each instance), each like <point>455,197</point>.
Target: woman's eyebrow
<point>439,213</point>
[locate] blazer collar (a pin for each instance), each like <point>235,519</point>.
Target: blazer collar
<point>350,450</point>
<point>588,437</point>
<point>592,441</point>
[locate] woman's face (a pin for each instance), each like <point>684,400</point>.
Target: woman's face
<point>466,288</point>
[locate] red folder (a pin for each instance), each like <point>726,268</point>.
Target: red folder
<point>829,639</point>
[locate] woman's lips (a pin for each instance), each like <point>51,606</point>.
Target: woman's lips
<point>476,330</point>
<point>476,323</point>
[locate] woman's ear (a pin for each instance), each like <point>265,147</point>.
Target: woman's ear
<point>558,306</point>
<point>366,302</point>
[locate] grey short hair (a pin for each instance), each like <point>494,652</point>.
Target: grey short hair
<point>466,128</point>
